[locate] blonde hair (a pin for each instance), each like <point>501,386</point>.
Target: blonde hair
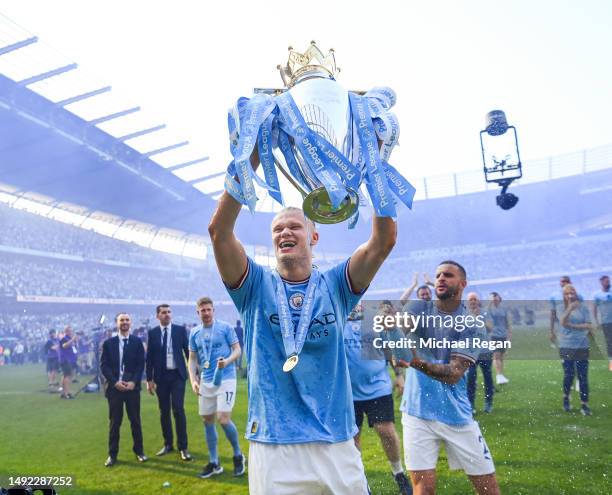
<point>311,227</point>
<point>566,289</point>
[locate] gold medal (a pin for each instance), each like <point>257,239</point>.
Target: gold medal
<point>206,364</point>
<point>291,363</point>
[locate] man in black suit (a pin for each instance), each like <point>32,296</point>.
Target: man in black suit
<point>168,346</point>
<point>122,364</point>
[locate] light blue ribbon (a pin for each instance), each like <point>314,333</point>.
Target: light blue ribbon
<point>285,146</point>
<point>305,140</point>
<point>264,146</point>
<point>256,111</point>
<point>207,348</point>
<point>270,122</point>
<point>402,189</point>
<point>384,94</point>
<point>376,180</point>
<point>293,339</point>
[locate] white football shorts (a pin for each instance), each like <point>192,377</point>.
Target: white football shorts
<point>466,448</point>
<point>306,469</point>
<point>217,399</point>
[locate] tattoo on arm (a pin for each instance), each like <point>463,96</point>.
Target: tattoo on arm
<point>449,373</point>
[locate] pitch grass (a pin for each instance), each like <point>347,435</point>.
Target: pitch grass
<point>538,449</point>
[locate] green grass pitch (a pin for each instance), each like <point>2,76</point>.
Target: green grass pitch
<point>537,448</point>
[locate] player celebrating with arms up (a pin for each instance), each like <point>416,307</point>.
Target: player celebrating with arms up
<point>301,420</point>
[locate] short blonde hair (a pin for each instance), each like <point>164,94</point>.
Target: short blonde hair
<point>310,225</point>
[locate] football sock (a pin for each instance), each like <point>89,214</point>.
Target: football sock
<point>232,435</point>
<point>211,441</point>
<point>396,467</point>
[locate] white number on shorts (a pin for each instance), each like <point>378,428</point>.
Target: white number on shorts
<point>228,397</point>
<point>486,451</point>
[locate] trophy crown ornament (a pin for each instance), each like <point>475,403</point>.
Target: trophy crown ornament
<point>311,63</point>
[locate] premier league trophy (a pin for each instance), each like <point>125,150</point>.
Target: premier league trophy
<point>322,138</point>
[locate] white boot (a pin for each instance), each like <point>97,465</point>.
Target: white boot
<point>501,379</point>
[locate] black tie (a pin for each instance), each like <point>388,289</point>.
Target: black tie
<point>125,341</point>
<point>164,349</point>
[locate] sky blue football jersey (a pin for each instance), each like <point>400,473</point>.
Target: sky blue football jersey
<point>430,399</point>
<point>223,337</point>
<point>313,402</point>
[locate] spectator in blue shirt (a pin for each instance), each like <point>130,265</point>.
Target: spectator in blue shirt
<point>575,326</point>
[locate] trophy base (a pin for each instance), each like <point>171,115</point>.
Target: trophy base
<point>317,206</point>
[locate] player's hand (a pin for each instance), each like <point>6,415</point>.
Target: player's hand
<point>120,385</point>
<point>415,279</point>
<point>221,363</point>
<point>574,305</point>
<point>195,386</point>
<point>130,385</point>
<point>151,387</point>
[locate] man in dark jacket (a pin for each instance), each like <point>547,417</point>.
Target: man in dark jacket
<point>168,347</point>
<point>122,364</point>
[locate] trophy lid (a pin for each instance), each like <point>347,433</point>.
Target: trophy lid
<point>300,66</point>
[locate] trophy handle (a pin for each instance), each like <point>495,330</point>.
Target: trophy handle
<point>290,178</point>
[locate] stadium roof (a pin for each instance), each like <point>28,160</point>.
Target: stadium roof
<point>67,136</point>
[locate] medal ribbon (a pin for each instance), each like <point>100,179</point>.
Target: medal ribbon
<point>294,342</point>
<point>207,349</point>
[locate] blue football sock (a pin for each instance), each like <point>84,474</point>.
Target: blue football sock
<point>232,435</point>
<point>211,441</point>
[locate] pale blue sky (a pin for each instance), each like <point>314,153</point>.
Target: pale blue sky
<point>546,63</point>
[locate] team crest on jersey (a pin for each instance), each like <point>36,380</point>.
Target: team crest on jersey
<point>296,300</point>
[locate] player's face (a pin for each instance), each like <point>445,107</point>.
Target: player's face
<point>473,302</point>
<point>449,282</point>
<point>68,331</point>
<point>564,281</point>
<point>386,308</point>
<point>571,294</point>
<point>164,316</point>
<point>206,313</point>
<point>495,298</point>
<point>605,283</point>
<point>291,237</point>
<point>424,294</point>
<point>124,323</point>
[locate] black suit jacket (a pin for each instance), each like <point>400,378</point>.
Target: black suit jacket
<point>180,348</point>
<point>133,361</point>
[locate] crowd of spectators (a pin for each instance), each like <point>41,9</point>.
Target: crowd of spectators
<point>24,274</point>
<point>22,229</point>
<point>35,276</point>
<point>538,264</point>
<point>30,330</point>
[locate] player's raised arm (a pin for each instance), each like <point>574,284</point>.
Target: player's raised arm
<point>405,297</point>
<point>229,253</point>
<point>368,257</point>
